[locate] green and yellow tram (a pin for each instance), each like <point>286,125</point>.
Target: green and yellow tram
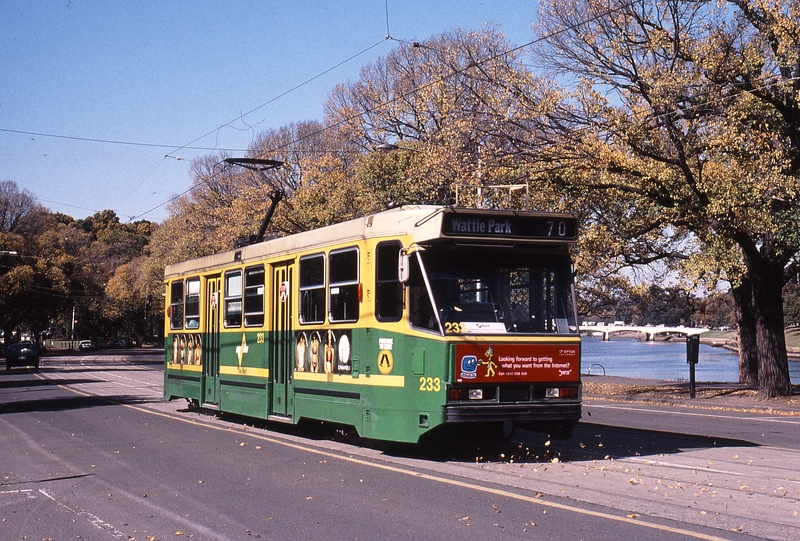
<point>397,324</point>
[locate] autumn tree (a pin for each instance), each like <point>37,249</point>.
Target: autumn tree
<point>689,112</point>
<point>437,102</point>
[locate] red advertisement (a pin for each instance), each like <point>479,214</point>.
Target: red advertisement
<point>516,363</point>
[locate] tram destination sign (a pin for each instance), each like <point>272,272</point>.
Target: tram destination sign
<point>556,227</point>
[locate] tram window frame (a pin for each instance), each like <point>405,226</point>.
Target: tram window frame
<point>312,289</point>
<point>254,296</point>
<point>388,288</point>
<point>192,304</point>
<point>176,305</point>
<point>233,298</point>
<point>343,285</point>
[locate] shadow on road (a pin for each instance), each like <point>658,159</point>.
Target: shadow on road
<point>67,403</point>
<point>27,383</point>
<point>589,442</point>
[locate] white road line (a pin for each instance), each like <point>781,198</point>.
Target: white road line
<point>777,419</point>
<point>93,519</point>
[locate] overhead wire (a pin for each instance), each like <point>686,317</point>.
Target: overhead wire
<point>282,94</point>
<point>454,72</point>
<point>66,205</point>
<point>189,146</point>
<point>254,109</point>
<point>458,71</point>
<point>381,105</point>
<point>114,141</point>
<point>445,77</point>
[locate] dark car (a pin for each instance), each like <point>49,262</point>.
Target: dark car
<point>22,354</point>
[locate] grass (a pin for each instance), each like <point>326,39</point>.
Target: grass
<point>792,336</point>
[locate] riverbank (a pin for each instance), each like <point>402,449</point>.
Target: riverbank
<point>717,396</point>
<point>727,340</point>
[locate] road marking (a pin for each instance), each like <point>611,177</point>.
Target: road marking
<point>790,421</point>
<point>417,474</point>
<point>93,519</point>
<point>438,479</point>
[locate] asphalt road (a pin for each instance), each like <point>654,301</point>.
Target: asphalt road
<point>88,450</point>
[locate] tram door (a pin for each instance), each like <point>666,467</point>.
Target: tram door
<point>211,353</point>
<point>281,343</point>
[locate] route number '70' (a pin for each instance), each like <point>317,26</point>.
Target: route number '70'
<point>556,227</point>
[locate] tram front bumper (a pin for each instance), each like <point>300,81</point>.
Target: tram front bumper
<point>546,413</point>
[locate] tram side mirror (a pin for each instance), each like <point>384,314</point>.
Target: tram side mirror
<point>403,268</point>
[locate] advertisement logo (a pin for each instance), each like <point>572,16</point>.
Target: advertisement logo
<point>469,366</point>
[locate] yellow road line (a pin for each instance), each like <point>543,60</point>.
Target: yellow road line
<point>420,475</point>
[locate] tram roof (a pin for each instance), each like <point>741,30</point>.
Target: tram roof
<point>421,222</point>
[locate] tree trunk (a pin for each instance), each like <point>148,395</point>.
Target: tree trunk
<point>765,269</point>
<point>746,332</point>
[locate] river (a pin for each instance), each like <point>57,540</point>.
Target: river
<point>633,358</point>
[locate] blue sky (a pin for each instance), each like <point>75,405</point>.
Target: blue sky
<point>162,74</point>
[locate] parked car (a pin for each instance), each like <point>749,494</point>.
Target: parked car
<point>85,344</point>
<point>22,354</point>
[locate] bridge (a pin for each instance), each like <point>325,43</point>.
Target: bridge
<point>649,331</point>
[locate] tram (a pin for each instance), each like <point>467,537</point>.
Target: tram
<point>397,325</point>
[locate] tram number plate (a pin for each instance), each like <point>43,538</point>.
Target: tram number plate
<point>430,384</point>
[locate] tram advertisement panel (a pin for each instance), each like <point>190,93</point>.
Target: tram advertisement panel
<point>509,363</point>
<point>324,351</point>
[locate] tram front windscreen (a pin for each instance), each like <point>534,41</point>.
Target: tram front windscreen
<point>492,292</point>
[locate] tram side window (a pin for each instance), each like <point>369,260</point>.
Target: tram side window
<point>233,299</point>
<point>254,296</point>
<point>193,303</point>
<point>176,305</point>
<point>343,285</point>
<point>389,290</point>
<point>312,289</point>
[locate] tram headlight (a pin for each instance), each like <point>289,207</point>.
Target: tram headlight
<point>561,392</point>
<point>476,394</point>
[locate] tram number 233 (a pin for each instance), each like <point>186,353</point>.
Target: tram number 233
<point>430,384</point>
<point>454,328</point>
